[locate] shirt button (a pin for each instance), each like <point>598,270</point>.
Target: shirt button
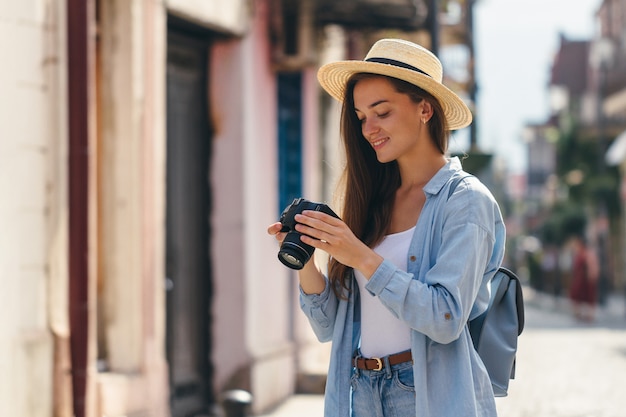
<point>413,258</point>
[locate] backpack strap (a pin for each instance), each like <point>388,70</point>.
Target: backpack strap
<point>455,182</point>
<point>478,321</point>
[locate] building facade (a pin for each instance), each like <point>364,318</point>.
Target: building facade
<point>146,146</point>
<point>142,142</point>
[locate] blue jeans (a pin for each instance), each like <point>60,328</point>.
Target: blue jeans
<point>389,392</point>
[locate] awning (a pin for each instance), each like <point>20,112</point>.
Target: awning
<point>616,153</point>
<point>380,14</point>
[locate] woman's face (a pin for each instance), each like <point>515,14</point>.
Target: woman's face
<point>390,121</point>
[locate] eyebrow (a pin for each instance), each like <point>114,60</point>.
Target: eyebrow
<point>374,104</point>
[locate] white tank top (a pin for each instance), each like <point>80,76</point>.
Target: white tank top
<point>382,333</point>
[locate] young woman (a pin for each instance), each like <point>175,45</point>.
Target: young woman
<point>410,259</point>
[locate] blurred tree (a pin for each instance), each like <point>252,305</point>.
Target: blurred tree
<point>581,168</point>
<point>566,218</point>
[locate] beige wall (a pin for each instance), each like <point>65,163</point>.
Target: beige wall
<point>131,195</point>
<point>33,213</point>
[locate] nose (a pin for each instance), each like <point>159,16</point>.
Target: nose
<point>369,128</point>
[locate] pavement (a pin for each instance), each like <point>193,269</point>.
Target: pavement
<point>565,368</point>
<point>299,405</point>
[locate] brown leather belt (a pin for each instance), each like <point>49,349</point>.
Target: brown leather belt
<point>377,364</point>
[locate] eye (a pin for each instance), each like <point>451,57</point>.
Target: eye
<point>383,115</point>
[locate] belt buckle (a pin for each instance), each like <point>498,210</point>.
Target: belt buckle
<point>380,364</point>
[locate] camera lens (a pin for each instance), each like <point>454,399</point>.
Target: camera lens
<point>290,260</point>
<point>293,255</point>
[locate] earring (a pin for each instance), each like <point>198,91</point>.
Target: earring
<point>424,121</point>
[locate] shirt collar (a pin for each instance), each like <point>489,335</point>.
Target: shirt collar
<point>441,178</point>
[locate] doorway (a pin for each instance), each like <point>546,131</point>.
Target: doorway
<point>188,205</point>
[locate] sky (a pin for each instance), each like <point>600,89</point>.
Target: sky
<point>515,44</point>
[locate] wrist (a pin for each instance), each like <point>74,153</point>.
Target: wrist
<point>370,264</point>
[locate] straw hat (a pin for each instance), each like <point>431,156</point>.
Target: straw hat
<point>404,60</point>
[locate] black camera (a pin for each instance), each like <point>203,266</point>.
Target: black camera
<point>293,253</point>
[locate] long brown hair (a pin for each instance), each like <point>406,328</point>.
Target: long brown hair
<point>369,186</point>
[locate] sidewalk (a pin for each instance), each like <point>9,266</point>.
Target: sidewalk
<point>299,405</point>
<point>612,314</point>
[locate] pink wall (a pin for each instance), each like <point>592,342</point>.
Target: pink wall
<point>251,315</point>
<point>255,296</point>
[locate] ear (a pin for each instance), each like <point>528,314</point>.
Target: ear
<point>425,111</point>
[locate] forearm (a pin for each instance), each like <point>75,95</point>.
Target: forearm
<point>311,279</point>
<point>320,307</point>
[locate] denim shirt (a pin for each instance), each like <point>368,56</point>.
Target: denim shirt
<point>457,246</point>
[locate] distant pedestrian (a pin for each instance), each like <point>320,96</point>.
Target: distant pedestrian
<point>410,263</point>
<point>585,271</point>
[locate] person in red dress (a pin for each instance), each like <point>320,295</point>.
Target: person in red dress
<point>584,280</point>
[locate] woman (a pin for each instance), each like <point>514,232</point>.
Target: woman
<point>409,263</point>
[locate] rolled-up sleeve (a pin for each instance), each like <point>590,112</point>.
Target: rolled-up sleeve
<point>321,310</point>
<point>452,268</point>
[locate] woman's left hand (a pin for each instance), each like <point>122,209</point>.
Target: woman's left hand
<point>333,236</point>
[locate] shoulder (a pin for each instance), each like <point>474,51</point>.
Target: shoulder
<point>468,199</point>
<point>465,186</point>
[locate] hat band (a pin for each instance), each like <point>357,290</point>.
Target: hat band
<point>396,64</point>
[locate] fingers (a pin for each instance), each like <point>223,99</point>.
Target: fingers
<point>331,235</point>
<point>320,226</point>
<point>318,220</point>
<point>320,215</point>
<point>274,228</point>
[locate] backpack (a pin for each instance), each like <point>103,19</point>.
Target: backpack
<point>495,332</point>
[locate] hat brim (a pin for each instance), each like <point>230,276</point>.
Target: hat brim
<point>334,76</point>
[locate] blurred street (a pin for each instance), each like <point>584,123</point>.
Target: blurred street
<point>568,369</point>
<point>564,368</point>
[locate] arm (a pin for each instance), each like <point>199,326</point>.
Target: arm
<point>440,304</point>
<point>333,236</point>
<point>462,255</point>
<point>320,310</point>
<point>311,279</point>
<point>316,300</point>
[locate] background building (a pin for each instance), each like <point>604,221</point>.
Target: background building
<point>573,176</point>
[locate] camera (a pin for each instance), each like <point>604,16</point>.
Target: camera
<point>293,253</point>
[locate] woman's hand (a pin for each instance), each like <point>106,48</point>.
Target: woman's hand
<point>333,236</point>
<point>275,230</point>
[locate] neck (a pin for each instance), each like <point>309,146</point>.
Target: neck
<point>417,172</point>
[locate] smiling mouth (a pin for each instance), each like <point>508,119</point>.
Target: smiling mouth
<point>379,142</point>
